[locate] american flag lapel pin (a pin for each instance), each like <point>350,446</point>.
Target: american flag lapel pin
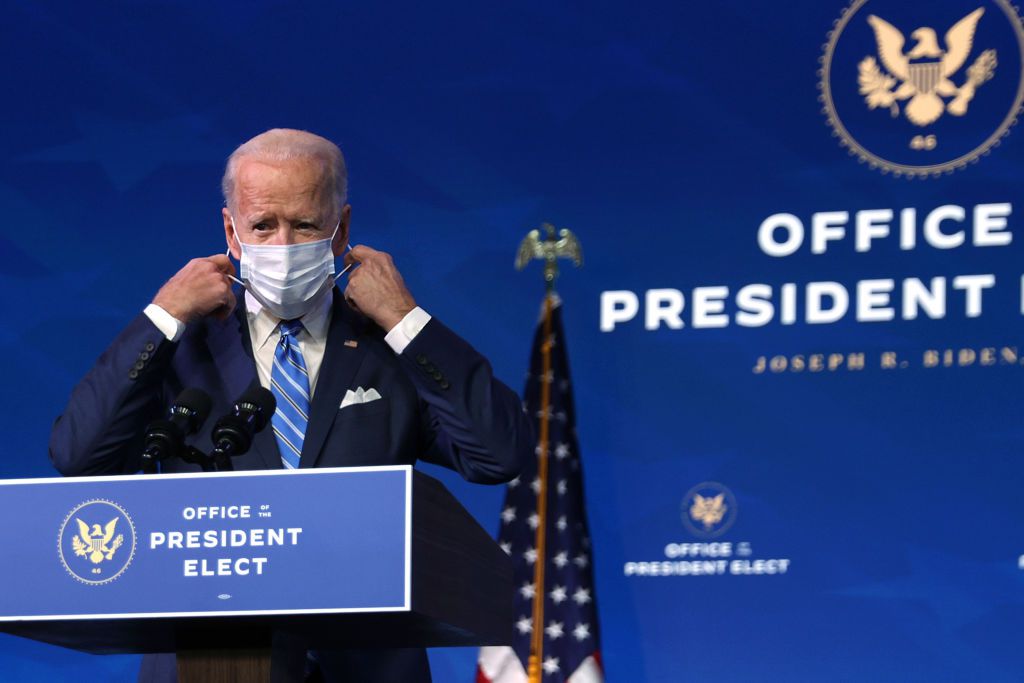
<point>351,343</point>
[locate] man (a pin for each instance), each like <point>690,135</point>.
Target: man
<point>425,393</point>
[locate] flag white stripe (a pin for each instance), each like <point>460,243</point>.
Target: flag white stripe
<point>589,672</point>
<point>501,665</point>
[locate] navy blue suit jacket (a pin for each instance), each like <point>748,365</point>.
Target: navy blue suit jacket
<point>440,403</point>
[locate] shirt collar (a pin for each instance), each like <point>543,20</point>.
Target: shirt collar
<point>264,324</point>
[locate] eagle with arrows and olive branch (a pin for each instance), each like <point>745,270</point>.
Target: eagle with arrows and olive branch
<point>922,74</point>
<point>97,544</point>
<point>708,510</point>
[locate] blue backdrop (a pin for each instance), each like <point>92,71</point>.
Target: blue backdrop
<point>664,135</point>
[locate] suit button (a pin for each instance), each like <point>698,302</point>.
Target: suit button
<point>144,355</point>
<point>139,365</point>
<point>150,346</point>
<point>437,375</point>
<point>444,384</point>
<point>133,374</point>
<point>421,359</point>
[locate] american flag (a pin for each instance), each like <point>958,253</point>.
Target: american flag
<point>571,638</point>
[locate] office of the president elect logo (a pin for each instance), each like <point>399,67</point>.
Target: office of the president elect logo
<point>920,89</point>
<point>709,509</point>
<point>96,542</point>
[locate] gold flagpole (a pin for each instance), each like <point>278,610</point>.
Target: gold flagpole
<point>549,250</point>
<point>537,634</point>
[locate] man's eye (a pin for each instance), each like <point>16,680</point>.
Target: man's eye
<point>261,226</point>
<point>307,226</point>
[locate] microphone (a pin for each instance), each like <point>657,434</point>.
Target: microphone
<point>233,433</point>
<point>166,438</point>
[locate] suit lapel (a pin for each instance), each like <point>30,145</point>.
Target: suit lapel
<point>231,348</point>
<point>339,367</point>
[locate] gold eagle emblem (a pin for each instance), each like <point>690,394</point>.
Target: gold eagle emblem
<point>535,246</point>
<point>922,74</point>
<point>98,544</point>
<point>708,511</point>
<point>549,249</point>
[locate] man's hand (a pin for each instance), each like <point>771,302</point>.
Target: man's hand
<point>376,288</point>
<point>199,289</point>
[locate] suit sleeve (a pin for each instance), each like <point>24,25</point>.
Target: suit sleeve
<point>100,430</point>
<point>473,423</point>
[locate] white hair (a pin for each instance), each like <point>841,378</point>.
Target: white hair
<point>283,144</point>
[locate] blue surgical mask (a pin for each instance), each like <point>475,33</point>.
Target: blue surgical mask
<point>288,279</point>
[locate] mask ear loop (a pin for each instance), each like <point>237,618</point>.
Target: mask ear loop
<point>234,279</point>
<point>227,252</point>
<point>348,247</point>
<point>347,268</point>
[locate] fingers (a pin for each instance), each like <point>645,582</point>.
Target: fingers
<point>222,298</point>
<point>223,312</point>
<point>222,263</point>
<point>360,253</point>
<point>350,300</point>
<point>218,263</point>
<point>200,288</point>
<point>376,288</point>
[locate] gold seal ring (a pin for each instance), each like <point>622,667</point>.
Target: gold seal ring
<point>878,162</point>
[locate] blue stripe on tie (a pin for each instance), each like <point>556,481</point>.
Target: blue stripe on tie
<point>286,402</point>
<point>289,382</point>
<point>290,374</point>
<point>301,434</point>
<point>286,442</point>
<point>301,369</point>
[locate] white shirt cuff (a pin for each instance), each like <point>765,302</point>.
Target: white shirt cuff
<point>402,334</point>
<point>165,322</point>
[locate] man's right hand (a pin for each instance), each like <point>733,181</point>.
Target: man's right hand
<point>199,289</point>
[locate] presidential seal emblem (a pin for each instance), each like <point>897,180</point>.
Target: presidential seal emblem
<point>922,89</point>
<point>709,509</point>
<point>96,542</point>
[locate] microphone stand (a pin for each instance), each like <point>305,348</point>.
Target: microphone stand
<point>220,458</point>
<point>189,454</point>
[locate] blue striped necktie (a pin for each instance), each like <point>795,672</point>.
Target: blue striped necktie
<point>289,382</point>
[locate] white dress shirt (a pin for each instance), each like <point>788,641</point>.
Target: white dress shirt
<point>264,333</point>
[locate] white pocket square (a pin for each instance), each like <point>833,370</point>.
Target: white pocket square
<point>360,395</point>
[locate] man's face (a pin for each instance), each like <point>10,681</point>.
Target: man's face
<point>284,202</point>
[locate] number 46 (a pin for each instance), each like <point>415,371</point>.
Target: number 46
<point>925,142</point>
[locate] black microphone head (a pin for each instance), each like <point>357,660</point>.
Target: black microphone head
<point>261,400</point>
<point>233,433</point>
<point>195,401</point>
<point>166,438</point>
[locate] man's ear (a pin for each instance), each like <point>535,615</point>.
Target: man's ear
<point>229,235</point>
<point>341,239</point>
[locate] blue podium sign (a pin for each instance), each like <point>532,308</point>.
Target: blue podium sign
<point>315,541</point>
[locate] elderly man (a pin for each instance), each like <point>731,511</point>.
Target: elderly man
<point>425,392</point>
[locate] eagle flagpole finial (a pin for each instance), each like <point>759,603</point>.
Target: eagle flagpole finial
<point>549,249</point>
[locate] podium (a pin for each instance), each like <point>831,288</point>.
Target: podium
<point>221,567</point>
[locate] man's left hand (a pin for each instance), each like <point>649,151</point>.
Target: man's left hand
<point>376,288</point>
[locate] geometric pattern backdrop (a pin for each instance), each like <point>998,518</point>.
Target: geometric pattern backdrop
<point>850,423</point>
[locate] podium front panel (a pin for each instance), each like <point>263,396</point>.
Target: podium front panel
<point>316,541</point>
